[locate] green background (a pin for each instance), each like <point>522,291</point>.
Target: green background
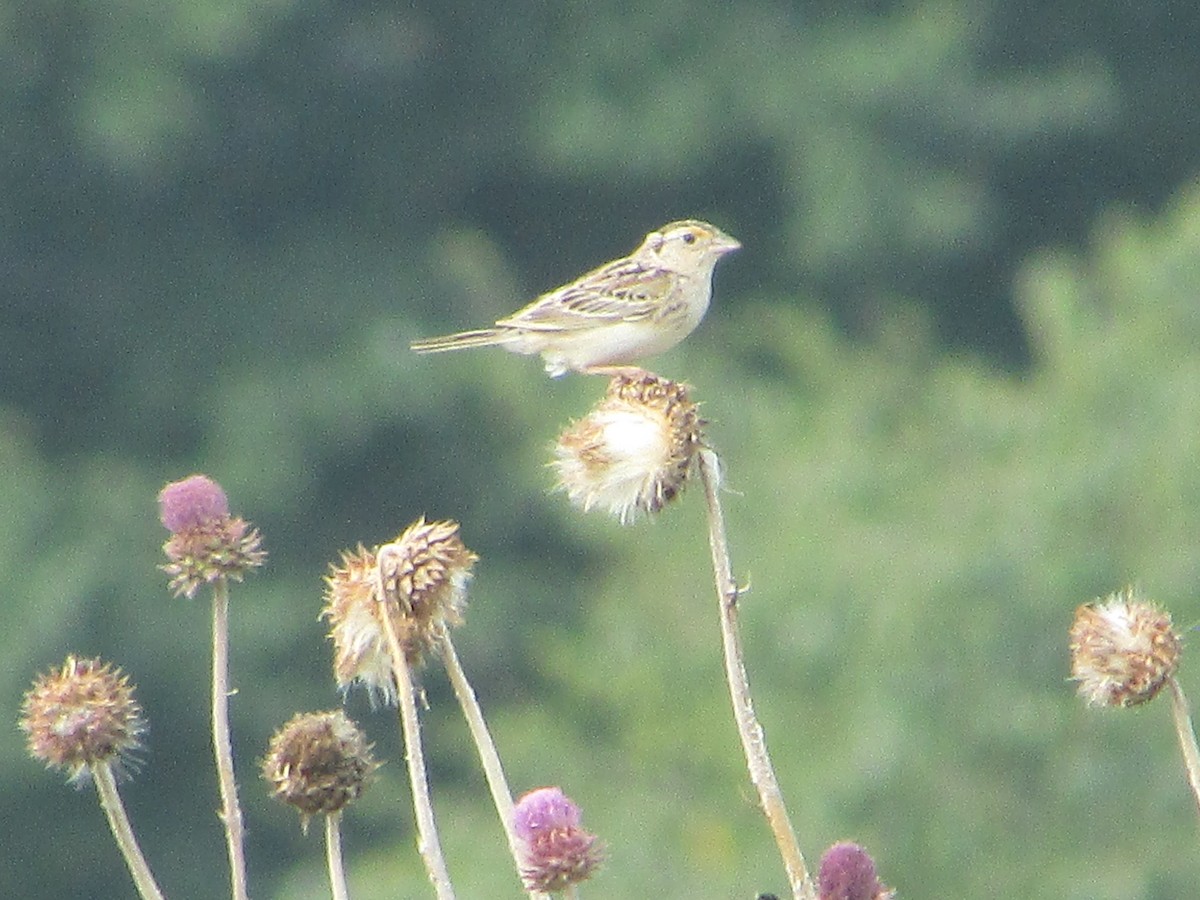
<point>954,376</point>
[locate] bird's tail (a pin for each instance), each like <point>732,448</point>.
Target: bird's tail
<point>484,337</point>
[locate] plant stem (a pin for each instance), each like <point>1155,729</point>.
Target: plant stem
<point>428,844</point>
<point>1187,736</point>
<point>231,812</point>
<point>753,741</point>
<point>333,855</point>
<point>118,821</point>
<point>489,757</point>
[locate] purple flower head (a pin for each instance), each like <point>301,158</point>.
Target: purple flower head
<point>545,809</point>
<point>555,851</point>
<point>207,544</point>
<point>848,873</point>
<point>192,502</point>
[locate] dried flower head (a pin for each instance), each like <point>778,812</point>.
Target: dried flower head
<point>318,763</point>
<point>555,851</point>
<point>848,873</point>
<point>1123,650</point>
<point>634,451</point>
<point>81,715</point>
<point>206,542</point>
<point>425,571</point>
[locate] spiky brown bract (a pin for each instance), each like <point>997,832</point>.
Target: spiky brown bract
<point>81,714</point>
<point>227,548</point>
<point>425,571</point>
<point>1123,650</point>
<point>634,451</point>
<point>555,850</point>
<point>206,542</point>
<point>318,763</point>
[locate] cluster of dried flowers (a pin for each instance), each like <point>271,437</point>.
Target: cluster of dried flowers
<point>390,610</point>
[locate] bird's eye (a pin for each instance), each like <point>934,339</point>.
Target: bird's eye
<point>689,237</point>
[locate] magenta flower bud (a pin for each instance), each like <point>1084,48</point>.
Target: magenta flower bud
<point>190,503</point>
<point>555,851</point>
<point>848,873</point>
<point>543,810</point>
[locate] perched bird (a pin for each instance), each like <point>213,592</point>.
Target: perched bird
<point>627,309</point>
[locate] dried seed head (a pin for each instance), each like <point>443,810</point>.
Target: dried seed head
<point>848,873</point>
<point>352,609</point>
<point>318,763</point>
<point>634,451</point>
<point>425,571</point>
<point>555,851</point>
<point>80,715</point>
<point>1123,650</point>
<point>206,543</point>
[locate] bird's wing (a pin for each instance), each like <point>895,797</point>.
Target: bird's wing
<point>625,291</point>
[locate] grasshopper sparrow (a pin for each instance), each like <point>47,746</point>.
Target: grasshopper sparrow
<point>603,321</point>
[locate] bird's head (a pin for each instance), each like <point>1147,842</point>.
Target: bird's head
<point>686,246</point>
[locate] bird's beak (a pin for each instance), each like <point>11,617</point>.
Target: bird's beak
<point>723,243</point>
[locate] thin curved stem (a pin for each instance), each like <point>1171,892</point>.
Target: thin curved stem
<point>1182,715</point>
<point>428,844</point>
<point>489,756</point>
<point>231,811</point>
<point>762,774</point>
<point>333,856</point>
<point>118,821</point>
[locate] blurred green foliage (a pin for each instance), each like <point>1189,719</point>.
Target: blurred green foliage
<point>952,376</point>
